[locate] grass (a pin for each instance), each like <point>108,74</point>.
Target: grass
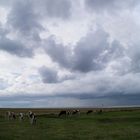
<point>119,125</point>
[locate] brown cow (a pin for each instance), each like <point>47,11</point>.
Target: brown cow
<point>89,111</point>
<point>63,112</point>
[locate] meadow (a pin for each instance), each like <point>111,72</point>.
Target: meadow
<point>113,124</point>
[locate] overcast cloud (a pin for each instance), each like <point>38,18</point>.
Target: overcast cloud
<point>65,53</point>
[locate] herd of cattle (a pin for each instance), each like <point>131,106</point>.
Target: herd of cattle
<point>12,116</point>
<point>32,116</point>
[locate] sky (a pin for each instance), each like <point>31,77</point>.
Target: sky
<point>67,53</point>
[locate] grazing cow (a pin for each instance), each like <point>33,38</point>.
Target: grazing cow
<point>11,115</point>
<point>8,115</point>
<point>89,111</point>
<point>33,119</point>
<point>68,112</point>
<point>75,112</point>
<point>63,112</point>
<point>30,114</point>
<point>21,115</point>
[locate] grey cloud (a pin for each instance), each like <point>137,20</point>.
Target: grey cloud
<point>116,49</point>
<point>91,53</point>
<point>134,53</point>
<point>48,75</point>
<point>110,5</point>
<point>3,31</point>
<point>15,47</point>
<point>51,76</point>
<point>117,90</point>
<point>88,51</point>
<point>100,4</point>
<point>56,8</point>
<point>115,52</point>
<point>58,52</point>
<point>104,70</point>
<point>6,3</point>
<point>70,101</point>
<point>67,77</point>
<point>23,19</point>
<point>106,85</point>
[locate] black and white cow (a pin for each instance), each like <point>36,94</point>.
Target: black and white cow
<point>11,115</point>
<point>75,112</point>
<point>32,117</point>
<point>8,115</point>
<point>21,116</point>
<point>30,114</point>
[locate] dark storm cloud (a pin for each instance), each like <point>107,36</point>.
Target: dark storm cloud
<point>23,19</point>
<point>91,53</point>
<point>110,5</point>
<point>48,75</point>
<point>56,8</point>
<point>15,47</point>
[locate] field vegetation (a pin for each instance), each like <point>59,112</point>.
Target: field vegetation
<point>111,124</point>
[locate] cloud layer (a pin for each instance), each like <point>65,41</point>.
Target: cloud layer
<point>69,53</point>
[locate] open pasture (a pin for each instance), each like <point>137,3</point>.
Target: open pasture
<point>112,124</point>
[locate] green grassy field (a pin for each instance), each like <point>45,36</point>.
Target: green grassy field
<point>116,125</point>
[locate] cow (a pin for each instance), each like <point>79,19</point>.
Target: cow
<point>89,111</point>
<point>32,117</point>
<point>63,112</point>
<point>68,112</point>
<point>11,115</point>
<point>8,115</point>
<point>30,114</point>
<point>21,115</point>
<point>75,112</point>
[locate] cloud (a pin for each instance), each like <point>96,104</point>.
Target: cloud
<point>110,6</point>
<point>57,52</point>
<point>56,9</point>
<point>134,54</point>
<point>6,3</point>
<point>92,52</point>
<point>74,61</point>
<point>3,84</point>
<point>88,51</point>
<point>14,47</point>
<point>24,19</point>
<point>48,75</point>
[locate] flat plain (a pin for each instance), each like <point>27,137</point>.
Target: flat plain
<point>111,124</point>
